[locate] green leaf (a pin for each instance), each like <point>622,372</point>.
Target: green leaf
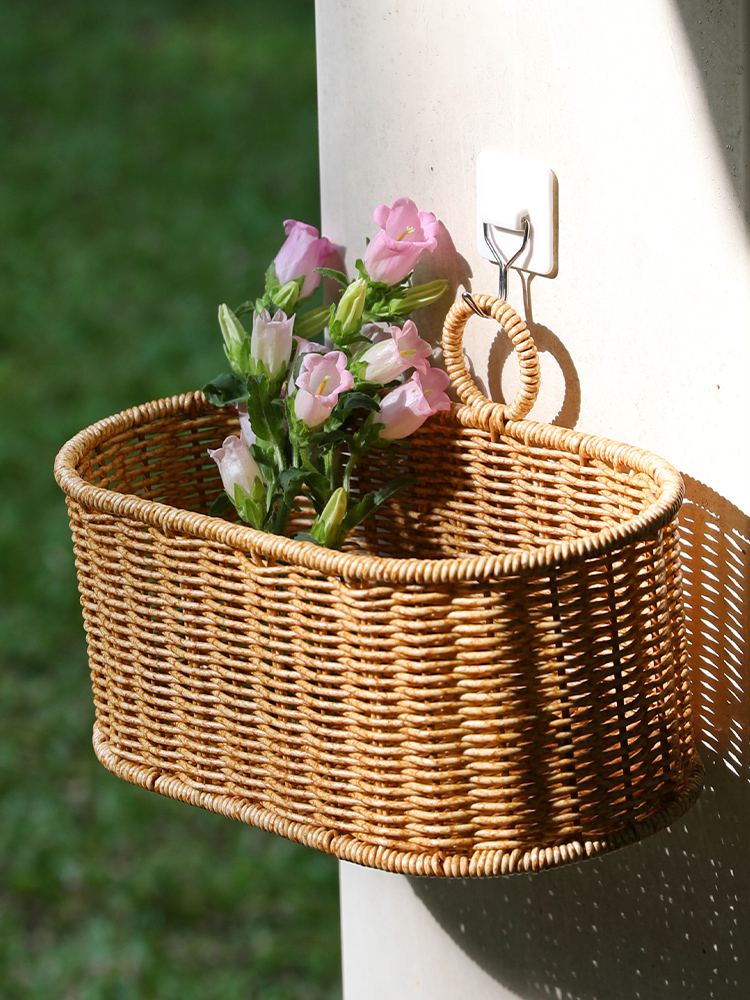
<point>252,507</point>
<point>264,408</point>
<point>354,400</point>
<point>272,282</point>
<point>341,340</point>
<point>329,272</point>
<point>334,436</point>
<point>263,453</point>
<point>246,307</point>
<point>221,504</point>
<point>372,501</point>
<point>226,389</point>
<point>292,480</point>
<point>305,536</point>
<point>318,485</point>
<point>361,268</point>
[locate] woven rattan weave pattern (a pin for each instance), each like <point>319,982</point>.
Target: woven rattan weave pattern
<point>491,677</point>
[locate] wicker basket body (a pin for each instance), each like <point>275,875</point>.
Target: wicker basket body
<point>491,677</point>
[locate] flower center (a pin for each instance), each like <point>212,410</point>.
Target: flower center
<point>407,232</point>
<point>322,386</point>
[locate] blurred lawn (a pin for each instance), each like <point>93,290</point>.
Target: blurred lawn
<point>150,152</point>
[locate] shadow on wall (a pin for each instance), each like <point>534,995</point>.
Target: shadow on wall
<point>712,31</point>
<point>564,394</point>
<point>446,262</point>
<point>560,387</point>
<point>669,918</point>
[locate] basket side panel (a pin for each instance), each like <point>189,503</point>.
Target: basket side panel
<point>154,674</point>
<point>622,643</point>
<point>90,597</point>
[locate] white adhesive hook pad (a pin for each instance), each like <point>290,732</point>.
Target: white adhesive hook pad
<point>508,189</point>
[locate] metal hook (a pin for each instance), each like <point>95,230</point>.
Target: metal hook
<point>504,265</point>
<point>469,300</point>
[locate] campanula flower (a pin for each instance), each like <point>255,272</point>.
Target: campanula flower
<point>303,251</point>
<point>322,378</point>
<point>388,359</point>
<point>236,465</point>
<point>301,347</point>
<point>404,234</point>
<point>406,407</point>
<point>271,342</point>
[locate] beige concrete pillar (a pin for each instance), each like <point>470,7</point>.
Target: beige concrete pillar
<point>639,108</point>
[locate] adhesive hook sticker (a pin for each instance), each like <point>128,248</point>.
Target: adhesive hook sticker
<point>508,189</point>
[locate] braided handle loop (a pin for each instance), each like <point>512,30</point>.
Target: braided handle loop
<point>518,332</point>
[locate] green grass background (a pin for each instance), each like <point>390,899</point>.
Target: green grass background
<point>149,151</point>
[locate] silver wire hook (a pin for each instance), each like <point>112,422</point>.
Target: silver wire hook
<point>469,300</point>
<point>504,265</point>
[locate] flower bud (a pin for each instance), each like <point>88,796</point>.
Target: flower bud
<point>286,297</point>
<point>311,323</point>
<point>236,341</point>
<point>303,252</point>
<point>350,308</point>
<point>418,296</point>
<point>326,528</point>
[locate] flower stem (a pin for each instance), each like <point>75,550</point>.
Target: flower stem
<point>353,459</point>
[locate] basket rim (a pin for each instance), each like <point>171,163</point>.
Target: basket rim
<point>362,566</point>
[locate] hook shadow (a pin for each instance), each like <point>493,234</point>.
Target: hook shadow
<point>546,343</point>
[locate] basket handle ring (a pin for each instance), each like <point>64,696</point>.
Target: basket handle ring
<point>453,354</point>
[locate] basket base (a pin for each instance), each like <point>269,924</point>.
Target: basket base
<point>347,848</point>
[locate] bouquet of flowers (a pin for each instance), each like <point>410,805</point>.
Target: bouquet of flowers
<point>317,390</point>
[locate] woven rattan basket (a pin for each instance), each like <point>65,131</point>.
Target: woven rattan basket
<point>491,678</point>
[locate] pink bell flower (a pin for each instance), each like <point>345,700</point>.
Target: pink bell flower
<point>302,347</point>
<point>390,358</point>
<point>322,378</point>
<point>236,465</point>
<point>406,407</point>
<point>271,341</point>
<point>404,234</point>
<point>303,251</point>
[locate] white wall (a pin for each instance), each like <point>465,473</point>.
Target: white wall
<point>637,105</point>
